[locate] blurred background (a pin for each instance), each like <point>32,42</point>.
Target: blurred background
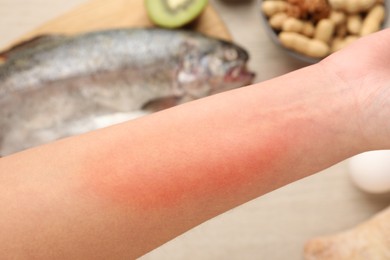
<point>275,226</point>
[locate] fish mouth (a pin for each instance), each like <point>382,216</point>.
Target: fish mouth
<point>240,74</point>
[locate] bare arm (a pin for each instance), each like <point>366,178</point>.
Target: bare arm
<point>119,192</point>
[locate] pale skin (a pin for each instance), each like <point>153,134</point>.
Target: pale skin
<point>120,192</point>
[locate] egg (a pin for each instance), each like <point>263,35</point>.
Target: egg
<point>370,171</point>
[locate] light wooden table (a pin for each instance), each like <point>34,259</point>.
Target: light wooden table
<point>274,226</point>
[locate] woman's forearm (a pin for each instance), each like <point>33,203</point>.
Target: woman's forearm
<point>122,191</point>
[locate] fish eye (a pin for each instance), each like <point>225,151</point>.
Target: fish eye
<point>230,54</point>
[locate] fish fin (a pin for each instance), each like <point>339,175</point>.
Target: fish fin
<point>161,103</point>
<point>28,44</point>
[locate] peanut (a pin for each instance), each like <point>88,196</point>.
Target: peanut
<point>337,17</point>
<point>373,20</point>
<point>292,25</point>
<point>308,29</point>
<point>341,30</point>
<point>338,43</point>
<point>272,7</point>
<point>302,44</point>
<point>352,6</point>
<point>354,24</point>
<point>346,21</point>
<point>366,5</point>
<point>276,21</point>
<point>324,30</point>
<point>337,4</point>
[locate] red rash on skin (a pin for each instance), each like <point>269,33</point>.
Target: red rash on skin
<point>199,159</point>
<point>227,166</point>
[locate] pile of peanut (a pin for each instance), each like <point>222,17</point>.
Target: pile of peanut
<point>317,28</point>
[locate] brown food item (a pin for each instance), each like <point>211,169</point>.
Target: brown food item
<point>318,9</point>
<point>369,240</point>
<point>294,11</point>
<point>312,9</point>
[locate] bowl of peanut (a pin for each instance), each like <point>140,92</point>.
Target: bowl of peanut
<point>310,30</point>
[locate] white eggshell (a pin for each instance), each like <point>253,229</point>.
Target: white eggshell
<point>370,171</point>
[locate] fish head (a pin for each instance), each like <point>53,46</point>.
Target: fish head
<point>227,67</point>
<point>219,67</point>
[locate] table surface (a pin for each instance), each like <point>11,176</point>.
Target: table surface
<point>274,226</point>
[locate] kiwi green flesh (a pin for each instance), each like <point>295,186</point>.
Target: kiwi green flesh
<point>174,13</point>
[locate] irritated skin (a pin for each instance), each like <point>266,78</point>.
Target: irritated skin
<point>119,192</point>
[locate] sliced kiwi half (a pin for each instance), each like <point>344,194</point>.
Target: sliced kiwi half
<point>174,13</point>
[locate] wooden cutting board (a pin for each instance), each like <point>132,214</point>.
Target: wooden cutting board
<point>104,14</point>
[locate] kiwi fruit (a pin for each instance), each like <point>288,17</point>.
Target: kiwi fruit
<point>174,13</point>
